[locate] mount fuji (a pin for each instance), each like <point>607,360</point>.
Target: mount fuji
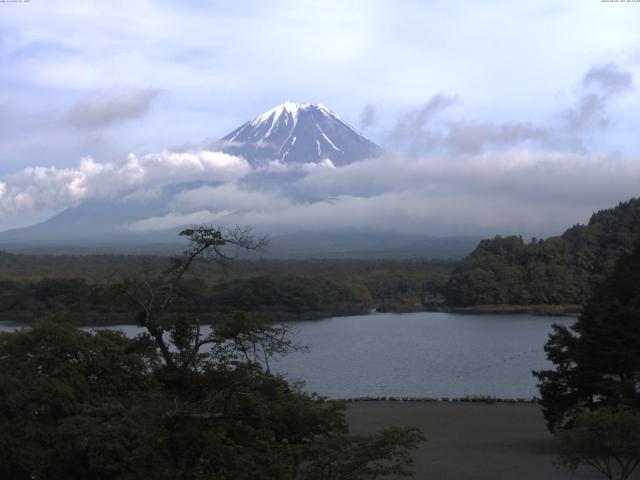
<point>292,134</point>
<point>298,133</point>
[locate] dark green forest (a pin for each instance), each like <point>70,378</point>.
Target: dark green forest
<point>83,286</point>
<point>562,270</point>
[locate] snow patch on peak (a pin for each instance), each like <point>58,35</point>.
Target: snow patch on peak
<point>288,109</point>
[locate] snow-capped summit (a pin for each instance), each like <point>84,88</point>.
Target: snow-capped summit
<point>298,132</point>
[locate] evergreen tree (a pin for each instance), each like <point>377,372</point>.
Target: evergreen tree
<point>597,360</point>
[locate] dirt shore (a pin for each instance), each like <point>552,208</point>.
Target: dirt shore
<point>468,441</point>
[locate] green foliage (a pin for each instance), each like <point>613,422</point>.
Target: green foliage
<point>286,290</point>
<point>558,270</point>
<point>72,402</point>
<point>364,458</point>
<point>290,294</point>
<point>93,303</point>
<point>597,360</point>
<point>607,440</point>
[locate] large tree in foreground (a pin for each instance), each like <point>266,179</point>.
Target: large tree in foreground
<point>180,401</point>
<point>597,360</point>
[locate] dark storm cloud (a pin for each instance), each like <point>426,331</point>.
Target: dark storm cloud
<point>108,107</point>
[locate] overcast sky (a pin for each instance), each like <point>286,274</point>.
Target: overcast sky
<point>527,110</point>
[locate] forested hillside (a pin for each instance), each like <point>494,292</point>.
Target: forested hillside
<point>558,270</point>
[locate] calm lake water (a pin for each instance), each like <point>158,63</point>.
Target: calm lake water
<point>422,354</point>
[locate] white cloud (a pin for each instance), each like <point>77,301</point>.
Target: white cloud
<point>52,188</point>
<point>227,197</point>
<point>173,220</point>
<point>515,191</point>
<point>519,191</point>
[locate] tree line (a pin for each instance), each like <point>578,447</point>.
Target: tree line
<point>284,290</point>
<point>282,297</point>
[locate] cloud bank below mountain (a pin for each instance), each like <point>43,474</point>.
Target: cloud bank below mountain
<point>517,191</point>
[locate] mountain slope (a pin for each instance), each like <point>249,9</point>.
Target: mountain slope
<point>298,133</point>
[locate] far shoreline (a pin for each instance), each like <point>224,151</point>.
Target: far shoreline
<point>315,316</point>
<point>539,309</point>
<point>486,399</point>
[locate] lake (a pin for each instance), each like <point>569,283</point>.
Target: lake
<point>425,354</point>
